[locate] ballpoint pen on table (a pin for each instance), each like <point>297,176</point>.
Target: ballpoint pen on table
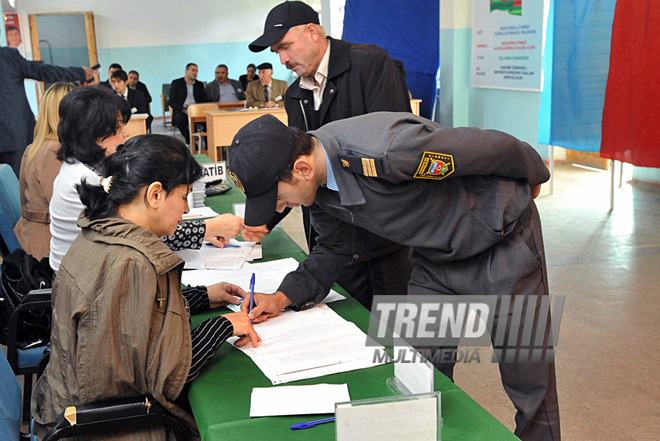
<point>251,293</point>
<point>227,245</point>
<point>309,424</point>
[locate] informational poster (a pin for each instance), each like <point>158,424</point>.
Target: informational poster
<point>507,39</point>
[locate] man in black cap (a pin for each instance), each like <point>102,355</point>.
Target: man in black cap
<point>265,91</point>
<point>460,198</point>
<point>339,80</point>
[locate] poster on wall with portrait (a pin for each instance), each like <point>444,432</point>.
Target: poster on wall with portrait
<point>13,32</point>
<point>507,44</point>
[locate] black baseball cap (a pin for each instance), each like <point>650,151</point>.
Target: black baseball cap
<point>282,18</point>
<point>257,157</point>
<point>265,66</point>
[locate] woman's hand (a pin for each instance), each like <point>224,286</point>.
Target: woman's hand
<point>254,234</point>
<point>223,293</point>
<point>243,328</point>
<point>221,228</point>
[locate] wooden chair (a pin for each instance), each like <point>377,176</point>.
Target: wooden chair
<point>196,115</point>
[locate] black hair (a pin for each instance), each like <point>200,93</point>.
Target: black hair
<point>12,28</point>
<point>86,115</point>
<point>251,65</point>
<point>114,66</point>
<point>190,64</point>
<point>136,164</point>
<point>122,75</point>
<point>302,146</point>
<point>134,72</point>
<point>223,65</point>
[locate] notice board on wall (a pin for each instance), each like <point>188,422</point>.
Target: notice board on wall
<point>507,39</point>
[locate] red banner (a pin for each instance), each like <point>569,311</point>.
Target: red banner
<point>631,114</point>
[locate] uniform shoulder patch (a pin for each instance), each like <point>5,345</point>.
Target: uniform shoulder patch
<point>435,166</point>
<point>236,182</point>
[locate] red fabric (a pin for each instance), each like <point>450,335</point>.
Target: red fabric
<point>631,115</point>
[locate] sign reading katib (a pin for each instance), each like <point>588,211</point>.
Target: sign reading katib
<point>507,39</point>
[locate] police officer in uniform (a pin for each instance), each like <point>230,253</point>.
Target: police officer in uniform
<point>461,198</point>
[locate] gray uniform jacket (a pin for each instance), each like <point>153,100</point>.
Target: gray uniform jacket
<point>448,193</point>
<point>16,117</point>
<point>213,90</point>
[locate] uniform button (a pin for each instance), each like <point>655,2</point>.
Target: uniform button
<point>356,257</point>
<point>305,101</point>
<point>332,90</point>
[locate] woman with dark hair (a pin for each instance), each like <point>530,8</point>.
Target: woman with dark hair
<point>91,127</point>
<point>250,76</point>
<point>121,326</point>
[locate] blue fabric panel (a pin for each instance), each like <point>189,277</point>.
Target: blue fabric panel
<point>408,31</point>
<point>10,404</point>
<point>30,357</point>
<point>574,91</point>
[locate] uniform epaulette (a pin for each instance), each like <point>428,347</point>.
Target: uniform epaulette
<point>362,165</point>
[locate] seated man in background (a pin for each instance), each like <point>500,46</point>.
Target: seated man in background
<point>223,89</point>
<point>184,92</point>
<point>135,84</point>
<point>135,98</point>
<point>113,67</point>
<point>265,92</point>
<point>249,76</point>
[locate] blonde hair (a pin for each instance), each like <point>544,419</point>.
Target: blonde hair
<point>49,116</point>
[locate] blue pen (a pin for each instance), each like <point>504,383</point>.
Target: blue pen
<point>251,293</point>
<point>309,424</point>
<point>226,245</point>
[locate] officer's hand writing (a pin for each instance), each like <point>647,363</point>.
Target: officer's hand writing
<point>266,306</point>
<point>243,328</point>
<point>535,190</point>
<point>223,293</point>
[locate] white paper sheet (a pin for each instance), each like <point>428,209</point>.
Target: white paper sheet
<point>199,213</point>
<point>211,257</point>
<point>308,344</point>
<point>297,400</point>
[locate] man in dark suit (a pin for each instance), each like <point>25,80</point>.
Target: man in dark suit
<point>136,99</point>
<point>135,84</point>
<point>113,67</point>
<point>16,117</point>
<point>183,92</point>
<point>223,88</point>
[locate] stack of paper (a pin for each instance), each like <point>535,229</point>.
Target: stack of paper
<point>212,257</point>
<point>197,194</point>
<point>297,400</point>
<point>309,344</point>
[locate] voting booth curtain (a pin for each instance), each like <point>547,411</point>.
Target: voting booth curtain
<point>408,31</point>
<point>575,66</point>
<point>631,129</point>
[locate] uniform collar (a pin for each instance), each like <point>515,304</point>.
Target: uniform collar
<point>349,191</point>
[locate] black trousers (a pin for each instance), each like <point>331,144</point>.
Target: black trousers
<point>515,267</point>
<point>13,159</point>
<point>180,121</point>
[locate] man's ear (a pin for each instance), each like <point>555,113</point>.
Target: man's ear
<point>155,195</point>
<point>305,166</point>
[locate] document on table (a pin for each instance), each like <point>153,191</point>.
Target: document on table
<point>297,400</point>
<point>199,213</point>
<point>311,343</point>
<point>211,257</point>
<point>269,276</point>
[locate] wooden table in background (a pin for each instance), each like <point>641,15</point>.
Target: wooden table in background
<point>137,125</point>
<point>222,125</point>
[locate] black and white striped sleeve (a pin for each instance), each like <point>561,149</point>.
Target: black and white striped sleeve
<point>206,340</point>
<point>198,299</point>
<point>188,235</point>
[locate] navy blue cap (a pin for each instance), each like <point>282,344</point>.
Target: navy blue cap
<point>282,18</point>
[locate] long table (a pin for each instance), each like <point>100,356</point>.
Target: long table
<point>220,396</point>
